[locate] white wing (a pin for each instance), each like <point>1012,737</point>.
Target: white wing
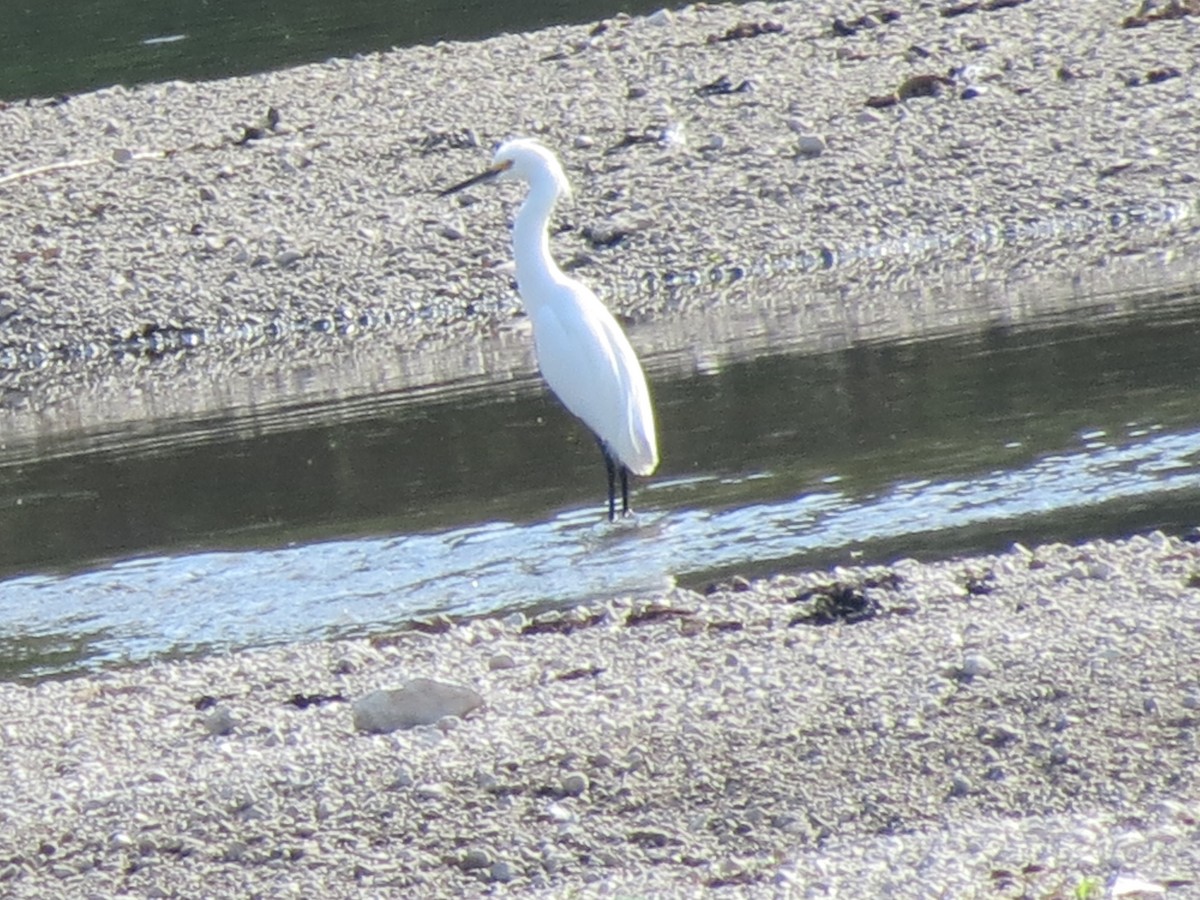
<point>588,362</point>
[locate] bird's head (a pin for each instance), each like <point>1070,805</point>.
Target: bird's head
<point>524,159</point>
<point>521,159</point>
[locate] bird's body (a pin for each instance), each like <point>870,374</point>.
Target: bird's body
<point>582,352</point>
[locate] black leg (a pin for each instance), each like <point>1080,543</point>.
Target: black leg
<point>624,491</point>
<point>611,466</point>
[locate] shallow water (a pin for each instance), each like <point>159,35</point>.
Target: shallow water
<point>356,516</point>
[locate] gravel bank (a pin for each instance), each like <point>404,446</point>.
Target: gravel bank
<point>1015,725</point>
<point>1056,155</point>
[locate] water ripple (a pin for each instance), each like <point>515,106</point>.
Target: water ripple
<point>178,604</point>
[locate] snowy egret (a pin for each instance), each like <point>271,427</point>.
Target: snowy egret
<point>582,351</point>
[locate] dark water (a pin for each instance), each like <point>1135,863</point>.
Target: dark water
<point>65,46</point>
<point>354,517</point>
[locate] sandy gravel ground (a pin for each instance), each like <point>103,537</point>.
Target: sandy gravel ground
<point>1012,726</point>
<point>168,250</point>
<point>1020,725</point>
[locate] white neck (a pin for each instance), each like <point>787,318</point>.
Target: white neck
<point>531,244</point>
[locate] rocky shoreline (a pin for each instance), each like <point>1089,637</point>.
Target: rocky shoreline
<point>1003,726</point>
<point>1016,725</point>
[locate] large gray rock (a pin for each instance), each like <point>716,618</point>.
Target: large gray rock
<point>420,702</point>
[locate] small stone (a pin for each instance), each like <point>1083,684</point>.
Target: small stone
<point>120,840</point>
<point>810,146</point>
<point>960,785</point>
<point>501,871</point>
<point>475,858</point>
<point>1134,886</point>
<point>556,812</point>
<point>975,665</point>
<point>420,702</point>
<point>1061,723</point>
<point>122,156</point>
<point>431,792</point>
<point>574,784</point>
<point>501,661</point>
<point>220,721</point>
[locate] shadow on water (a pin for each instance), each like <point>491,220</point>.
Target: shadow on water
<point>95,44</point>
<point>354,517</point>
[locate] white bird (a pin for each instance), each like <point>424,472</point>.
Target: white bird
<point>582,351</point>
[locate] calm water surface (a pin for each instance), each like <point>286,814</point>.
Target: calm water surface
<point>73,45</point>
<point>354,517</point>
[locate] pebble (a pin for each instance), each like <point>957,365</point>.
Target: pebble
<point>960,786</point>
<point>502,871</point>
<point>810,146</point>
<point>120,840</point>
<point>220,721</point>
<point>574,784</point>
<point>476,858</point>
<point>975,665</point>
<point>559,813</point>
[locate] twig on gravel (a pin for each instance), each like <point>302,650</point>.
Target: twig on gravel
<point>121,157</point>
<point>42,170</point>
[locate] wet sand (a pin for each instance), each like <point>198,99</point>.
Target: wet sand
<point>1003,726</point>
